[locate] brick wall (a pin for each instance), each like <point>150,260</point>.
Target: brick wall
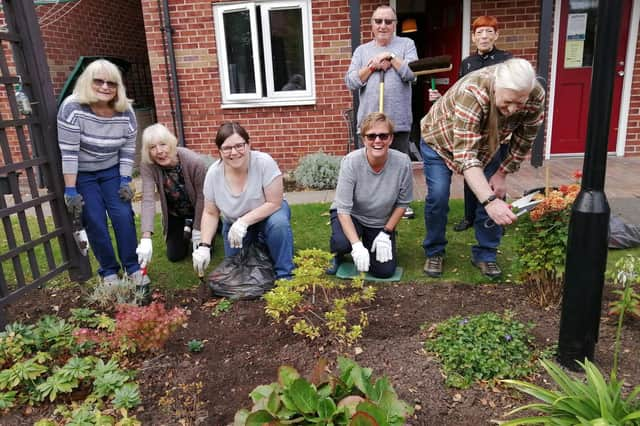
<point>287,133</point>
<point>94,28</point>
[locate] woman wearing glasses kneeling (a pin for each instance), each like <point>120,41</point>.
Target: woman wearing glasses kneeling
<point>375,186</point>
<point>177,175</point>
<point>244,190</point>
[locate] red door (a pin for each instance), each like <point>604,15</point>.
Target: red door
<point>578,22</point>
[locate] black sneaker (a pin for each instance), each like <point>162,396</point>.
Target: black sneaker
<point>463,225</point>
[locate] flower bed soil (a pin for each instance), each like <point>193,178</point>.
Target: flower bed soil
<point>243,350</point>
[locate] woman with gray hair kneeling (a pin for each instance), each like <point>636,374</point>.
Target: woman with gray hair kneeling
<point>177,175</point>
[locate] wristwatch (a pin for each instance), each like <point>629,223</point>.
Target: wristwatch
<point>207,245</point>
<point>387,231</point>
<point>486,202</point>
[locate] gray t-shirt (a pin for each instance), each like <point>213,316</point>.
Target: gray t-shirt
<point>262,171</point>
<point>371,197</point>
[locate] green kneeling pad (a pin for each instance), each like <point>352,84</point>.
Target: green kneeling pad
<point>347,271</point>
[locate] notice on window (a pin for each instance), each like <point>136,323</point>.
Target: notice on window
<point>573,52</point>
<point>577,26</point>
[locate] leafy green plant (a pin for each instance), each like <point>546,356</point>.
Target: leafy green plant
<point>592,401</point>
<point>351,397</point>
<point>315,304</point>
<point>127,396</point>
<point>318,171</point>
<point>195,345</point>
<point>223,305</point>
<point>541,242</point>
<point>482,347</point>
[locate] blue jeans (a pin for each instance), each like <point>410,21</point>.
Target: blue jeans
<point>436,210</point>
<point>275,232</point>
<point>340,245</point>
<point>470,200</point>
<point>100,193</point>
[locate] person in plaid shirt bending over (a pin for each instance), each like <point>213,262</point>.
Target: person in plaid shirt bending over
<point>462,132</point>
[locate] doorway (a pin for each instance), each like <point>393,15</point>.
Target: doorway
<point>578,23</point>
<point>435,26</point>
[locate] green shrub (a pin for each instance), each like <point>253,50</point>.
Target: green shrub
<point>483,347</point>
<point>352,397</point>
<point>318,171</point>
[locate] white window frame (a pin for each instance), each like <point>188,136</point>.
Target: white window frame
<point>272,97</point>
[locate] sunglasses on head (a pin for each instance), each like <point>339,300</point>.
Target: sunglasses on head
<point>379,21</point>
<point>371,137</point>
<point>100,82</point>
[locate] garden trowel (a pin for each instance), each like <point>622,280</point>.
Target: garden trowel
<point>80,235</point>
<point>521,206</point>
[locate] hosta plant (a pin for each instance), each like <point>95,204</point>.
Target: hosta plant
<point>488,346</point>
<point>316,305</point>
<point>541,241</point>
<point>350,397</point>
<point>593,401</point>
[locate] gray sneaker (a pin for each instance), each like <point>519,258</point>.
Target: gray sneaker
<point>433,266</point>
<point>110,280</point>
<point>139,279</point>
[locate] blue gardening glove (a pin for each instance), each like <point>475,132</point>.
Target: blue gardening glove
<point>125,192</point>
<point>74,203</point>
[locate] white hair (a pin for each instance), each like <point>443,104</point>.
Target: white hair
<point>515,74</point>
<point>153,135</point>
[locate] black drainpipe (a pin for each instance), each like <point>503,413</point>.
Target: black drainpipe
<point>167,38</point>
<point>354,14</point>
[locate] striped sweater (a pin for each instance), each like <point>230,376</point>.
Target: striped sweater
<point>90,143</point>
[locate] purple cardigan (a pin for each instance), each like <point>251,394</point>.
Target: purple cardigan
<point>194,171</point>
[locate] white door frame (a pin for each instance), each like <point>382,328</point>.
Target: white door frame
<point>625,99</point>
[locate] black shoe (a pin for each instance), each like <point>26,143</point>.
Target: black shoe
<point>335,264</point>
<point>433,266</point>
<point>408,213</point>
<point>463,225</point>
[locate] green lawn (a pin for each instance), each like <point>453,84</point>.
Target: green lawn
<point>311,229</point>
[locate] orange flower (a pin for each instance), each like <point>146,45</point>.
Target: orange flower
<point>577,175</point>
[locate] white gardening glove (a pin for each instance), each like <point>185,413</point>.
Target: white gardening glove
<point>195,239</point>
<point>360,256</point>
<point>201,258</point>
<point>236,234</point>
<point>144,252</point>
<point>383,248</point>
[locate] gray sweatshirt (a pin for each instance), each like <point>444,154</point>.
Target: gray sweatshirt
<point>371,197</point>
<point>397,84</point>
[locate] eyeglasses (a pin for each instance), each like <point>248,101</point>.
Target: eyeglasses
<point>100,82</point>
<point>239,147</point>
<point>371,137</point>
<point>386,21</point>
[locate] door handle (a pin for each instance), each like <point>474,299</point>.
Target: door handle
<point>621,73</point>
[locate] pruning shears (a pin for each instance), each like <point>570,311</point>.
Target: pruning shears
<point>520,206</point>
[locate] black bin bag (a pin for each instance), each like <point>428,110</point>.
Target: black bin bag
<point>623,235</point>
<point>245,276</point>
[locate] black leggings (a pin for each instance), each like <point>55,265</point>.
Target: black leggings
<point>177,246</point>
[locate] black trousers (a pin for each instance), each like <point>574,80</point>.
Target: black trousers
<point>178,247</point>
<point>339,244</point>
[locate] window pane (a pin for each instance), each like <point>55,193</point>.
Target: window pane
<point>237,29</point>
<point>581,32</point>
<point>287,49</point>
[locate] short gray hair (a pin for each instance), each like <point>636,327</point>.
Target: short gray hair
<point>83,91</point>
<point>154,134</point>
<point>515,74</point>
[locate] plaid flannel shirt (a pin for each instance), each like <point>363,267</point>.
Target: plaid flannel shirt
<point>456,125</point>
